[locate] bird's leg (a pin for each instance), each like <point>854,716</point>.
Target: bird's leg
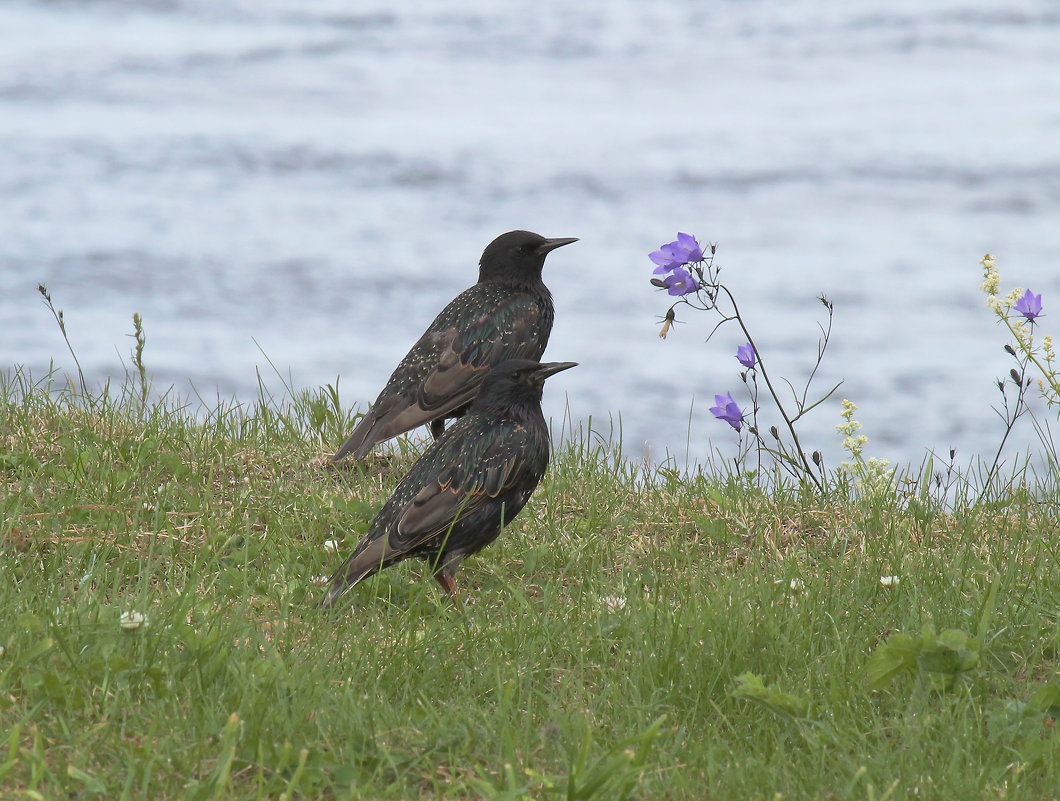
<point>437,427</point>
<point>449,585</point>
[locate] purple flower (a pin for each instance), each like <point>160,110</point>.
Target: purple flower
<point>683,250</point>
<point>680,282</point>
<point>688,247</point>
<point>664,258</point>
<point>745,355</point>
<point>727,410</point>
<point>1030,305</point>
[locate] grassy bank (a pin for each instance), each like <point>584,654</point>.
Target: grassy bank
<point>609,634</point>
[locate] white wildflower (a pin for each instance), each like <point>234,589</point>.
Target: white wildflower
<point>331,546</point>
<point>131,621</point>
<point>614,603</point>
<point>991,279</point>
<point>889,581</point>
<point>1014,295</point>
<point>872,473</point>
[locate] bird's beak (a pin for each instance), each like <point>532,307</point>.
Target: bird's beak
<point>551,368</point>
<point>552,244</point>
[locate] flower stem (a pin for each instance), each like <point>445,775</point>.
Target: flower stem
<point>769,385</point>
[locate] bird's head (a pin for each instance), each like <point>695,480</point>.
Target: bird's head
<point>517,382</point>
<point>517,255</point>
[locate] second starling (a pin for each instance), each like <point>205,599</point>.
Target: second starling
<point>466,487</point>
<point>508,314</point>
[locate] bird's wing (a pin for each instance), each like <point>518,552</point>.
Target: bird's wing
<point>510,330</point>
<point>462,471</point>
<point>443,370</point>
<point>464,474</point>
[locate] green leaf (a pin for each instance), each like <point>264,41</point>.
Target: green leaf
<point>945,654</point>
<point>986,612</point>
<point>751,688</point>
<point>897,654</point>
<point>92,784</point>
<point>18,460</point>
<point>1047,700</point>
<point>925,477</point>
<point>950,653</point>
<point>613,775</point>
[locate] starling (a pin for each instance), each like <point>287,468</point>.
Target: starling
<point>466,487</point>
<point>507,315</point>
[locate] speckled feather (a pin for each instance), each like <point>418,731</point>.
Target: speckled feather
<point>508,314</point>
<point>479,473</point>
<point>483,326</point>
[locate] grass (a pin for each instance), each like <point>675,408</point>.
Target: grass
<point>637,633</point>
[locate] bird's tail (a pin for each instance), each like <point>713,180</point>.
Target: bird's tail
<point>361,565</point>
<point>359,440</point>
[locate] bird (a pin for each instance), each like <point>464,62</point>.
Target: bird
<point>468,484</point>
<point>507,314</point>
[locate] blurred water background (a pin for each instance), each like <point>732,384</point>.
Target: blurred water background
<point>321,177</point>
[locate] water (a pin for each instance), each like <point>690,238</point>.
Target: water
<point>318,179</point>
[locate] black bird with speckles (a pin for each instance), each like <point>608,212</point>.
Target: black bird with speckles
<point>466,487</point>
<point>508,314</point>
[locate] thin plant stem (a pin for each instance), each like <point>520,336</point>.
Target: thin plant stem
<point>789,424</point>
<point>58,315</point>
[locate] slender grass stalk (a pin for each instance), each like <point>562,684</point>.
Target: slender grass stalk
<point>60,320</point>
